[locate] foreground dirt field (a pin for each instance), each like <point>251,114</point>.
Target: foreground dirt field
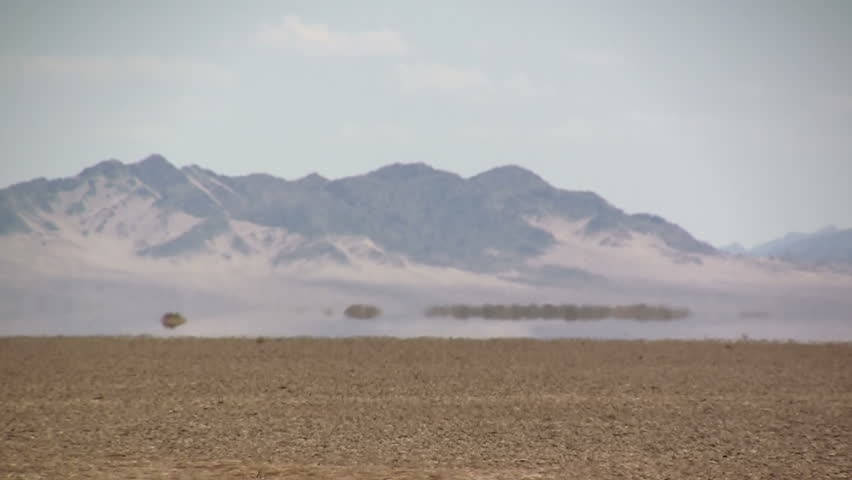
<point>117,408</point>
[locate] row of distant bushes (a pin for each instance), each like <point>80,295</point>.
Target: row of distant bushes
<point>639,311</point>
<point>172,320</point>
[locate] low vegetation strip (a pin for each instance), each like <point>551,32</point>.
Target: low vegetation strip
<point>639,311</point>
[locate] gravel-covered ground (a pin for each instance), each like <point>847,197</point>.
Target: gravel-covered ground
<point>116,408</point>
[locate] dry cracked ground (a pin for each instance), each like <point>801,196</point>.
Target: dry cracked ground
<point>116,408</point>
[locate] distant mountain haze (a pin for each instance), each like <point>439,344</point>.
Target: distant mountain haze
<point>113,248</point>
<point>734,248</point>
<point>825,246</point>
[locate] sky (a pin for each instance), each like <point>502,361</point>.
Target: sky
<point>732,119</point>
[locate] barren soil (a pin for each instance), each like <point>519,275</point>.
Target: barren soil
<point>117,408</point>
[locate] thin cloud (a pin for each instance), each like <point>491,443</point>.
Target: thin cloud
<point>630,127</point>
<point>596,57</point>
<point>625,128</point>
<point>523,85</point>
<point>437,76</point>
<point>426,76</point>
<point>374,133</point>
<point>107,68</point>
<point>293,34</point>
<point>840,102</point>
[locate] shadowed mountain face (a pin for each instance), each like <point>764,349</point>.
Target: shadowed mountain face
<point>430,216</point>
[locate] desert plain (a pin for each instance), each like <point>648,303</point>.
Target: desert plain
<point>424,408</point>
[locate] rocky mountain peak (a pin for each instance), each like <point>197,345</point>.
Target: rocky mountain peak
<point>312,180</point>
<point>108,168</point>
<point>509,177</point>
<point>403,172</point>
<point>157,172</point>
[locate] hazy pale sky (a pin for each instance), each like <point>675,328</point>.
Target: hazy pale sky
<point>732,119</point>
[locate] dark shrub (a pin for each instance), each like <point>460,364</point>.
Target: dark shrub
<point>362,311</point>
<point>173,320</point>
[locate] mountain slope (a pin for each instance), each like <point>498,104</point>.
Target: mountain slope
<point>828,245</point>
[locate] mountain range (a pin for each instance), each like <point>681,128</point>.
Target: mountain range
<point>427,215</point>
<point>120,234</point>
